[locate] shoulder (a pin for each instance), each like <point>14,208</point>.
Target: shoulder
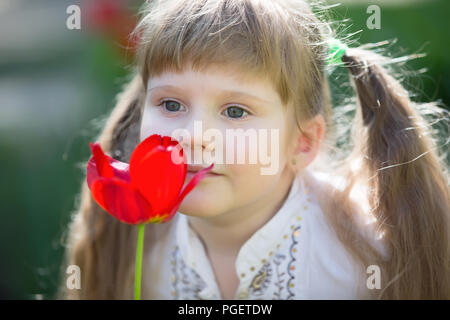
<point>329,191</point>
<point>333,271</point>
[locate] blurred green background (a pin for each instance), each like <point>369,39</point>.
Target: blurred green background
<point>58,85</point>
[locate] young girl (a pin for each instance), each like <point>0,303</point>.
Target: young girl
<point>374,224</point>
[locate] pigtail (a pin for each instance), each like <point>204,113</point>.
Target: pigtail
<point>408,191</point>
<point>99,244</point>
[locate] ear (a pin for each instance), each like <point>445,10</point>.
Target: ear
<point>306,143</point>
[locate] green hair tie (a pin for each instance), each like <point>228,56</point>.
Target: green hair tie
<point>336,50</point>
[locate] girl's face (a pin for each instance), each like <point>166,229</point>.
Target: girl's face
<point>224,99</point>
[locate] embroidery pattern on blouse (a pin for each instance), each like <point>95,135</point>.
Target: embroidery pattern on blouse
<point>261,281</point>
<point>187,284</point>
<point>279,283</point>
<point>291,266</point>
<point>273,272</point>
<point>183,285</point>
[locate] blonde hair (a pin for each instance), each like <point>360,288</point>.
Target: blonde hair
<point>286,42</point>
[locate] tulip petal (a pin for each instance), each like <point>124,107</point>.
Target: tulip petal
<point>149,144</point>
<point>157,177</point>
<point>168,141</point>
<point>121,200</point>
<point>102,165</point>
<point>188,188</point>
<point>144,147</point>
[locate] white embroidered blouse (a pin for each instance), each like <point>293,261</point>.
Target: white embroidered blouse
<point>295,255</point>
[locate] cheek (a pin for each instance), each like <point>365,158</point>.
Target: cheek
<point>242,185</point>
<point>266,155</point>
<point>211,197</point>
<point>249,183</point>
<point>246,186</point>
<point>253,180</point>
<point>153,122</point>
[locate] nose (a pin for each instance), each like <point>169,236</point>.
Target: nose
<point>193,143</point>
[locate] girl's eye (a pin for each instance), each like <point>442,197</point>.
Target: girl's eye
<point>235,112</point>
<point>172,106</point>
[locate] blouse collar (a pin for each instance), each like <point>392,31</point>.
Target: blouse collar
<point>257,250</point>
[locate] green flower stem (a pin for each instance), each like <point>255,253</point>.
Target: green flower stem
<point>138,267</point>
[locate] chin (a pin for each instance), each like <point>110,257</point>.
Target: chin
<point>202,202</point>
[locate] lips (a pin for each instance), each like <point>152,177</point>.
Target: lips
<point>196,168</point>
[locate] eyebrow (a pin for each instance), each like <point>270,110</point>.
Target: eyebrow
<point>224,93</point>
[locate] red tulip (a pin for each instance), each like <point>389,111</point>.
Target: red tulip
<point>149,189</point>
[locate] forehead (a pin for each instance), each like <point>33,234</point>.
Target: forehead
<point>217,79</point>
